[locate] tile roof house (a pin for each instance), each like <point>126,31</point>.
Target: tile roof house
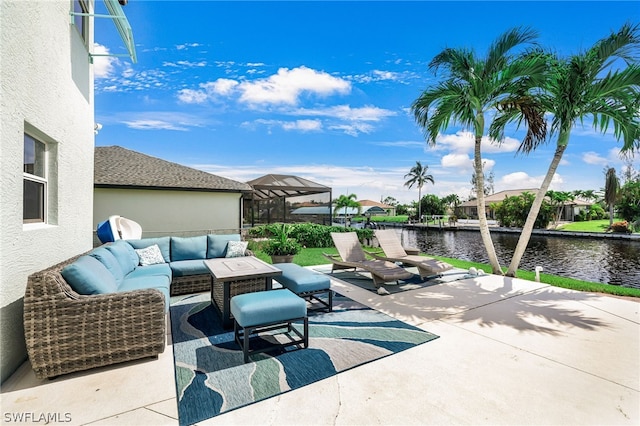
<point>165,198</point>
<point>571,209</point>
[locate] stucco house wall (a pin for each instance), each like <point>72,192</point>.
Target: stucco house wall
<point>167,212</point>
<point>46,90</point>
<point>165,198</point>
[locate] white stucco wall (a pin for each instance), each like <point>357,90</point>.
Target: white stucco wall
<point>46,88</point>
<point>162,212</point>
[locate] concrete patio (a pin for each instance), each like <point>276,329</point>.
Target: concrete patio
<point>510,352</point>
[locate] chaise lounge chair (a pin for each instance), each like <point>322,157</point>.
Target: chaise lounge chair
<point>394,252</point>
<point>351,256</point>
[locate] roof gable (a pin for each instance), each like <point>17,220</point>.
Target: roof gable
<point>120,167</point>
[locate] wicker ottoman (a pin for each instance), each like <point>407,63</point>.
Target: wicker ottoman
<point>264,311</point>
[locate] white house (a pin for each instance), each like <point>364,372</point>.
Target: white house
<point>47,122</point>
<point>165,198</point>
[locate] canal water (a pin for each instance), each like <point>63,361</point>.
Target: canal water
<point>604,260</point>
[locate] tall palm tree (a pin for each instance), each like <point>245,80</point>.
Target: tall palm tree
<point>611,188</point>
<point>586,84</point>
<point>418,176</point>
<point>345,201</point>
<point>471,89</point>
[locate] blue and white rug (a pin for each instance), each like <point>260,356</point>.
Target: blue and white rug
<point>211,377</point>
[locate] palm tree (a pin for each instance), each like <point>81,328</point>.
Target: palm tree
<point>473,87</point>
<point>418,176</point>
<point>345,201</point>
<point>586,84</point>
<point>611,188</point>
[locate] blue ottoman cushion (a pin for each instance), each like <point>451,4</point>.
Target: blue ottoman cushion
<point>301,280</point>
<point>264,307</point>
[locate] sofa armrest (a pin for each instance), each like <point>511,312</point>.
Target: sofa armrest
<point>68,332</point>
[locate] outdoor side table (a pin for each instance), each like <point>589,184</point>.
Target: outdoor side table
<point>237,275</point>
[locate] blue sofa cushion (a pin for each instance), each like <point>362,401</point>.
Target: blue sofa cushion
<point>124,254</point>
<point>262,307</point>
<point>183,268</point>
<point>301,280</point>
<point>158,282</point>
<point>109,260</point>
<point>162,242</point>
<point>217,244</point>
<point>146,271</point>
<point>87,275</point>
<point>188,248</point>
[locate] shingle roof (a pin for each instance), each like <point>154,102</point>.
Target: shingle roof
<point>499,196</point>
<point>120,167</point>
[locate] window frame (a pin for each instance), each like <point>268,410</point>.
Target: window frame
<point>81,18</point>
<point>41,180</point>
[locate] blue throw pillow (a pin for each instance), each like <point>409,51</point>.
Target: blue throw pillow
<point>124,254</point>
<point>87,275</point>
<point>162,242</point>
<point>109,260</point>
<point>217,244</point>
<point>188,248</point>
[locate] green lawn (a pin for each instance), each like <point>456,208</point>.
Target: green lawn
<point>313,256</point>
<point>587,226</point>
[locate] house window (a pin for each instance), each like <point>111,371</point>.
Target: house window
<point>81,22</point>
<point>35,180</point>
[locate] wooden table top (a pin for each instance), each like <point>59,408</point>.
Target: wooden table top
<point>224,268</point>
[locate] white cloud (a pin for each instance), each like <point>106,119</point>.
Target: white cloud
<point>353,129</point>
<point>153,125</point>
<point>185,64</point>
<point>594,158</point>
<point>287,86</point>
<point>464,141</point>
<point>346,113</point>
<point>189,96</point>
<point>159,120</point>
<point>303,125</point>
<point>103,66</point>
<point>222,86</point>
<point>522,180</point>
<point>457,160</point>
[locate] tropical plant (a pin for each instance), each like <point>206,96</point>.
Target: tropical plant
<point>431,205</point>
<point>586,84</point>
<point>512,211</point>
<point>281,244</point>
<point>557,200</point>
<point>628,205</point>
<point>344,202</point>
<point>471,89</point>
<point>418,176</point>
<point>611,187</point>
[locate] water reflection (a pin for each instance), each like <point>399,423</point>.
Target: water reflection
<point>598,260</point>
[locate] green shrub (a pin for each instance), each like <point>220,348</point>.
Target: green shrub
<point>309,235</point>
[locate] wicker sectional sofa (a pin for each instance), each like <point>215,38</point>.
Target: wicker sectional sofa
<point>102,307</point>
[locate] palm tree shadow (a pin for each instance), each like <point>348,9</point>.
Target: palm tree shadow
<point>495,303</point>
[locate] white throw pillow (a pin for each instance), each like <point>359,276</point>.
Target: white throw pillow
<point>150,255</point>
<point>236,248</point>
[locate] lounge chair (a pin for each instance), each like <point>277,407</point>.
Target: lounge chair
<point>394,252</point>
<point>352,256</point>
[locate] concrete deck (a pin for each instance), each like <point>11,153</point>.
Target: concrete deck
<point>510,352</point>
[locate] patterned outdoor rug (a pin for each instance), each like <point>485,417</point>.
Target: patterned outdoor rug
<point>211,377</point>
<point>363,279</point>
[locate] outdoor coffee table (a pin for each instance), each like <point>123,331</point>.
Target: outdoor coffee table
<point>237,275</point>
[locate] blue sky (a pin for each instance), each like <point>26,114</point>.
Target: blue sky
<point>322,90</point>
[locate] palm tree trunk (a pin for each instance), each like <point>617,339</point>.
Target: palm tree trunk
<point>419,206</point>
<point>482,212</point>
<point>525,235</point>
